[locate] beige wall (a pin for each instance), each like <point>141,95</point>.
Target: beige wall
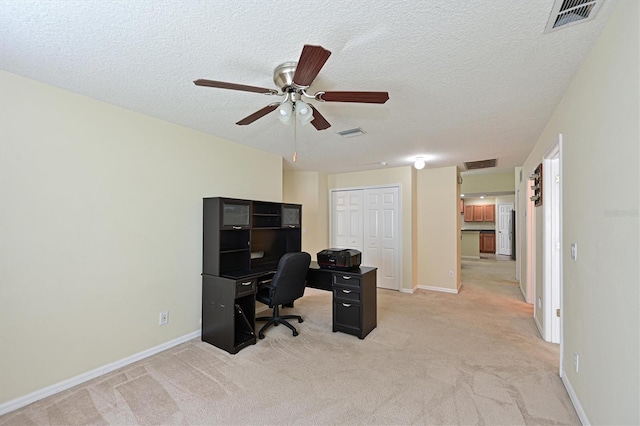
<point>310,189</point>
<point>397,175</point>
<point>470,244</point>
<point>438,229</point>
<point>598,118</point>
<point>101,229</point>
<point>483,183</point>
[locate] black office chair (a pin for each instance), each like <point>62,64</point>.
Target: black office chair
<point>287,285</point>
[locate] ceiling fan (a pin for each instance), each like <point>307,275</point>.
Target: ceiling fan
<point>293,79</point>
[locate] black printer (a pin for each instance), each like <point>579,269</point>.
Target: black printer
<point>341,259</point>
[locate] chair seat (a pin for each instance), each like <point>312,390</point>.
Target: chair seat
<point>287,285</point>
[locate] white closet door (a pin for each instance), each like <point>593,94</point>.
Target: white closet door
<point>381,239</point>
<point>347,219</point>
<point>368,220</point>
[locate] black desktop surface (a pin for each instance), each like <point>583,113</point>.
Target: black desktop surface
<point>239,274</point>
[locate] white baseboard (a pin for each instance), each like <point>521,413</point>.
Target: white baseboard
<point>574,399</point>
<point>81,378</point>
<point>524,296</point>
<point>470,257</point>
<point>539,327</point>
<point>441,289</point>
<point>408,290</point>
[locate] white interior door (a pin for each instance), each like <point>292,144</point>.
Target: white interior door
<point>346,219</point>
<point>504,229</point>
<point>381,238</point>
<point>369,220</point>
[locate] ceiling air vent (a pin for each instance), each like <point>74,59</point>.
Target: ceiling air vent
<point>351,132</point>
<point>567,12</point>
<point>482,164</point>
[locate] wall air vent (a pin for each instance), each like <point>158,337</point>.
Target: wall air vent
<point>568,12</point>
<point>482,164</point>
<point>351,132</point>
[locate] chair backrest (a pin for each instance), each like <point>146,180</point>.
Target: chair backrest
<point>290,278</point>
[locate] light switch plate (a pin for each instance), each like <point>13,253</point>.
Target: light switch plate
<point>574,251</point>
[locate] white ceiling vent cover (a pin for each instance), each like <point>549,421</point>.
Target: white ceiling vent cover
<point>569,12</point>
<point>351,132</point>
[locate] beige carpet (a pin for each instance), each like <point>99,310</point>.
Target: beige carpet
<point>435,358</point>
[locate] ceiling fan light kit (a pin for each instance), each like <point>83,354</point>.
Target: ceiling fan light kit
<point>293,78</point>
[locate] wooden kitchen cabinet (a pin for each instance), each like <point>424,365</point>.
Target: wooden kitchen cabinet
<point>490,213</point>
<point>478,213</point>
<point>487,242</point>
<point>468,213</point>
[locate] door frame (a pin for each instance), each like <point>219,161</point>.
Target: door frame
<point>398,223</point>
<point>551,252</point>
<point>552,233</point>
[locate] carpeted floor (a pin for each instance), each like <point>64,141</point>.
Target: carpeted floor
<point>435,358</point>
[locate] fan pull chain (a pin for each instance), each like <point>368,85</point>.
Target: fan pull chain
<point>295,135</point>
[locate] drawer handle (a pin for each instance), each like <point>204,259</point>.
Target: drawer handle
<point>346,305</point>
<point>247,283</point>
<point>346,291</point>
<point>237,227</point>
<point>292,226</point>
<point>346,277</point>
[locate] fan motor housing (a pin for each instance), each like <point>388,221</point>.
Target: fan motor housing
<point>283,75</point>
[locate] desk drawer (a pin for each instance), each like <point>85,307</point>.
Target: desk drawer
<point>246,286</point>
<point>346,317</point>
<point>346,279</point>
<point>347,294</point>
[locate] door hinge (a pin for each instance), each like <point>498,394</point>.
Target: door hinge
<point>558,313</point>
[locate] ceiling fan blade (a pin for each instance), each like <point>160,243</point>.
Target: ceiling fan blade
<point>311,61</point>
<point>363,97</point>
<point>233,86</point>
<point>319,122</point>
<point>258,114</point>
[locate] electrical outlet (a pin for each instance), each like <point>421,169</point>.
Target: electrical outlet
<point>576,361</point>
<point>164,317</point>
<point>574,251</point>
<point>539,302</point>
<point>450,274</point>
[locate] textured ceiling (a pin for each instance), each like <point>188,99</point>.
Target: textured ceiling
<point>467,80</point>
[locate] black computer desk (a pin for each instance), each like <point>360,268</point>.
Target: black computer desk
<point>228,303</point>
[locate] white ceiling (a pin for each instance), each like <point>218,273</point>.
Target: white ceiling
<point>467,80</point>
